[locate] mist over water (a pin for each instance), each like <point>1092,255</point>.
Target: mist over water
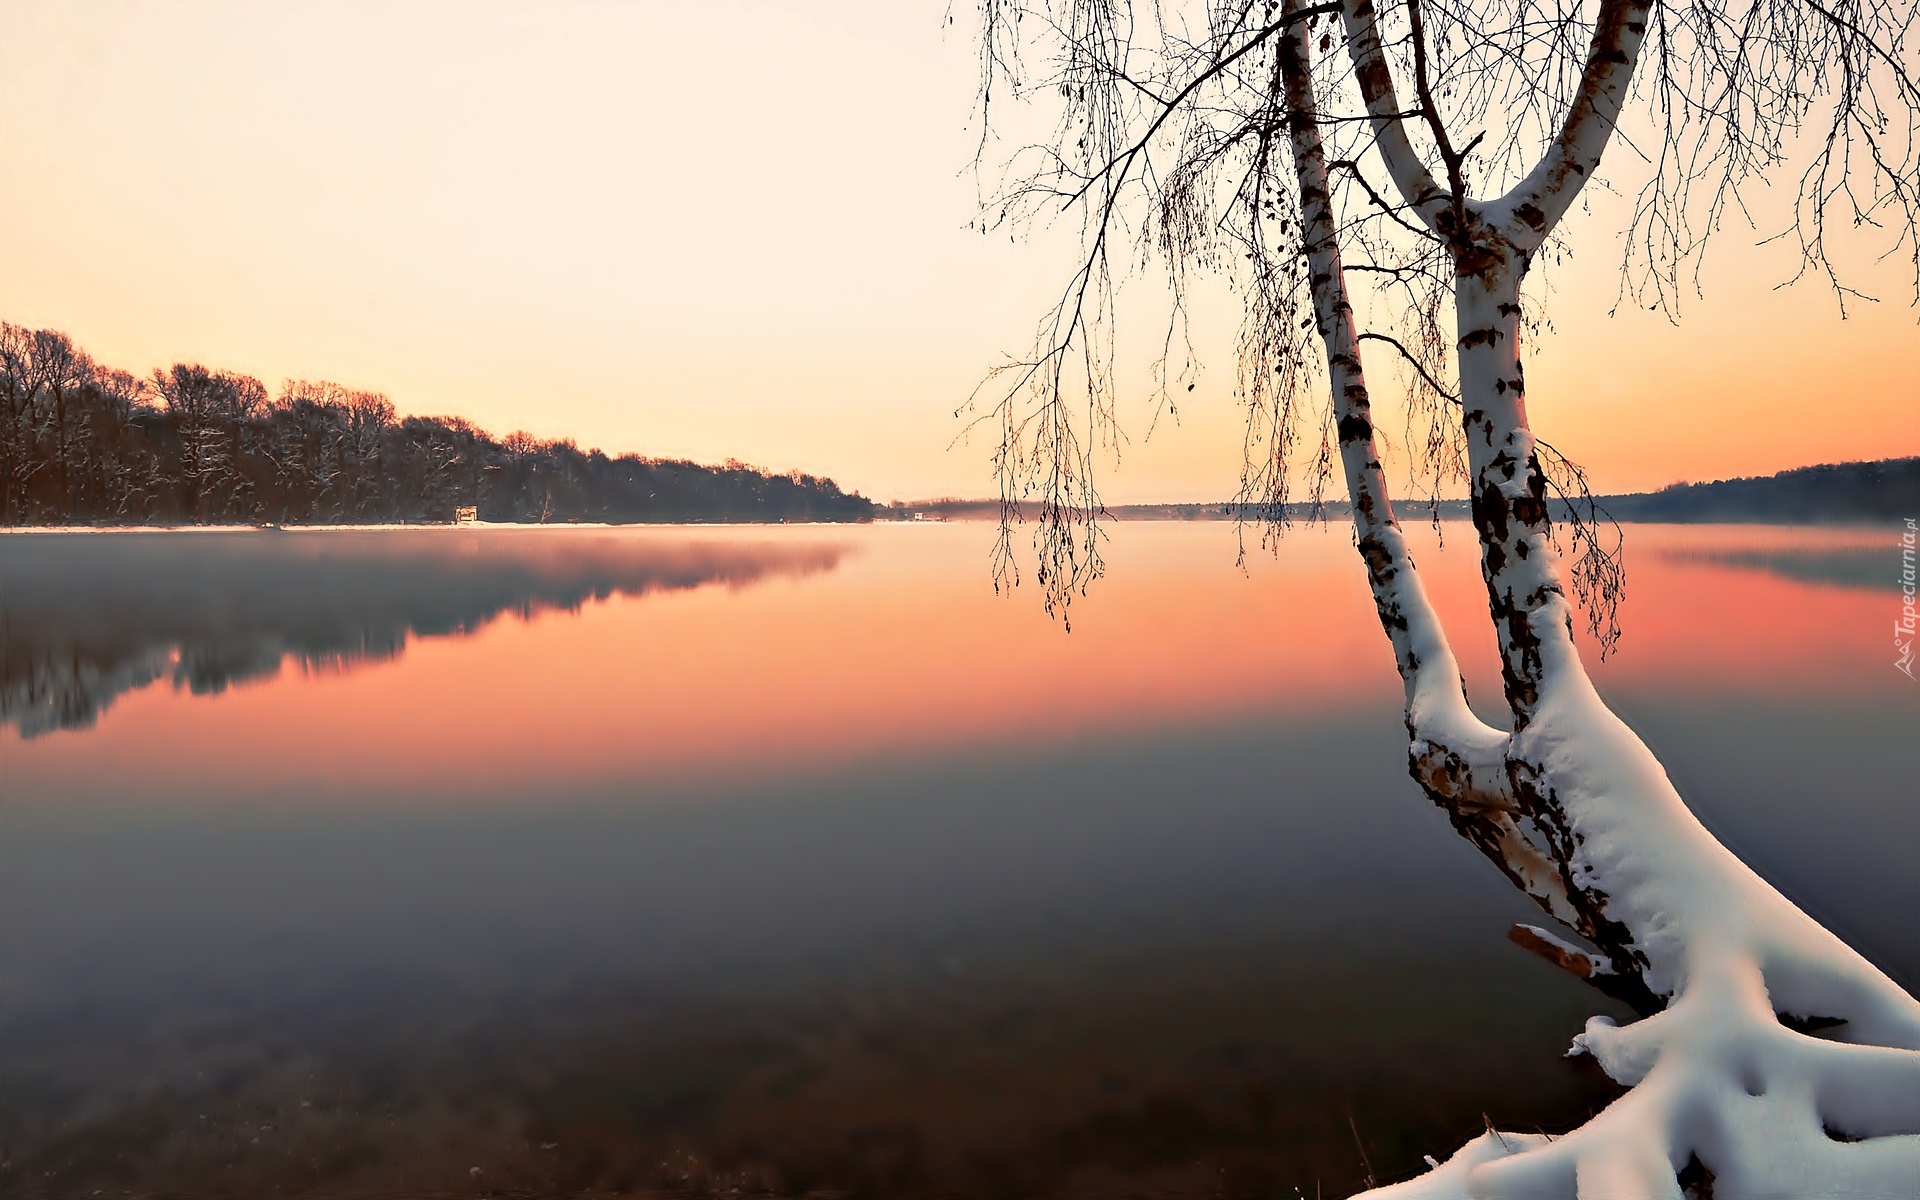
<point>795,859</point>
<point>87,618</point>
<point>1839,563</point>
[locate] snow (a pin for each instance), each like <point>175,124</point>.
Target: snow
<point>1723,1091</point>
<point>1717,1076</point>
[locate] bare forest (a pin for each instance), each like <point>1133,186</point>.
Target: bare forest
<point>82,443</point>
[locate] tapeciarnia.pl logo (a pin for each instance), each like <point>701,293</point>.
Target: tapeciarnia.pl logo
<point>1903,629</point>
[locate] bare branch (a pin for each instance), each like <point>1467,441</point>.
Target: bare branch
<point>1412,361</point>
<point>1375,77</point>
<point>1543,197</point>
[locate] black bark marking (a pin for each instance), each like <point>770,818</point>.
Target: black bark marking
<point>1379,562</point>
<point>1541,805</point>
<point>1809,1025</point>
<point>1490,514</point>
<point>1696,1182</point>
<point>1485,336</point>
<point>1531,216</point>
<point>1391,618</point>
<point>1487,819</point>
<point>1531,509</point>
<point>1382,570</point>
<point>1520,665</point>
<point>1354,427</point>
<point>1448,781</point>
<point>1374,79</point>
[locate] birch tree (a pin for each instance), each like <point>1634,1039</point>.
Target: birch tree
<point>1434,148</point>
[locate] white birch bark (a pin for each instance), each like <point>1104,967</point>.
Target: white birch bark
<point>1410,176</point>
<point>1770,1059</point>
<point>1458,759</point>
<point>1729,1085</point>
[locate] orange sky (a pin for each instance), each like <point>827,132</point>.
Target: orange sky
<point>708,230</point>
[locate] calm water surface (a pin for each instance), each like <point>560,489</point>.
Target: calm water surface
<point>455,861</point>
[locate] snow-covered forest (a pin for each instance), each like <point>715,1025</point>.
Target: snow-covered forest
<point>84,443</point>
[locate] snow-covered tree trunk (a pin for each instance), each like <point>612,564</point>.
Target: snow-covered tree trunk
<point>1772,1060</point>
<point>1456,757</point>
<point>1729,1081</point>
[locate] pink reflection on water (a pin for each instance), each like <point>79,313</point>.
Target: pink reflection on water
<point>903,649</point>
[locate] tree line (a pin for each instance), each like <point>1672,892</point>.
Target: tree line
<point>1881,491</point>
<point>84,443</point>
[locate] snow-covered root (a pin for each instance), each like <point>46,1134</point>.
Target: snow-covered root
<point>1784,1065</point>
<point>1721,1092</point>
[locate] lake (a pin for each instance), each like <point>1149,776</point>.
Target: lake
<point>793,859</point>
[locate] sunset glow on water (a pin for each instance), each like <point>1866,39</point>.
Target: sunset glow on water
<point>642,599</point>
<point>888,641</point>
<point>431,848</point>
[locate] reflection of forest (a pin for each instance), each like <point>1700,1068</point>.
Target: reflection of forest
<point>1875,567</point>
<point>85,618</point>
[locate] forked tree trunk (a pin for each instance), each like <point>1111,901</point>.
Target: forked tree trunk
<point>1459,760</point>
<point>1730,1089</point>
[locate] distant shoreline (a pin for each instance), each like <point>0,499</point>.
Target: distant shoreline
<point>1864,494</point>
<point>421,526</point>
<point>1453,513</point>
<point>1881,492</point>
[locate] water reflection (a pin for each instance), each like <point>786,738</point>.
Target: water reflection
<point>863,879</point>
<point>1874,567</point>
<point>85,619</point>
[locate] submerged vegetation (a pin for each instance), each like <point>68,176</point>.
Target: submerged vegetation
<point>84,443</point>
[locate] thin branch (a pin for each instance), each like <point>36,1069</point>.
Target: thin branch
<point>1413,361</point>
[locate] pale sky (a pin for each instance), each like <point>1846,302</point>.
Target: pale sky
<point>709,231</point>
